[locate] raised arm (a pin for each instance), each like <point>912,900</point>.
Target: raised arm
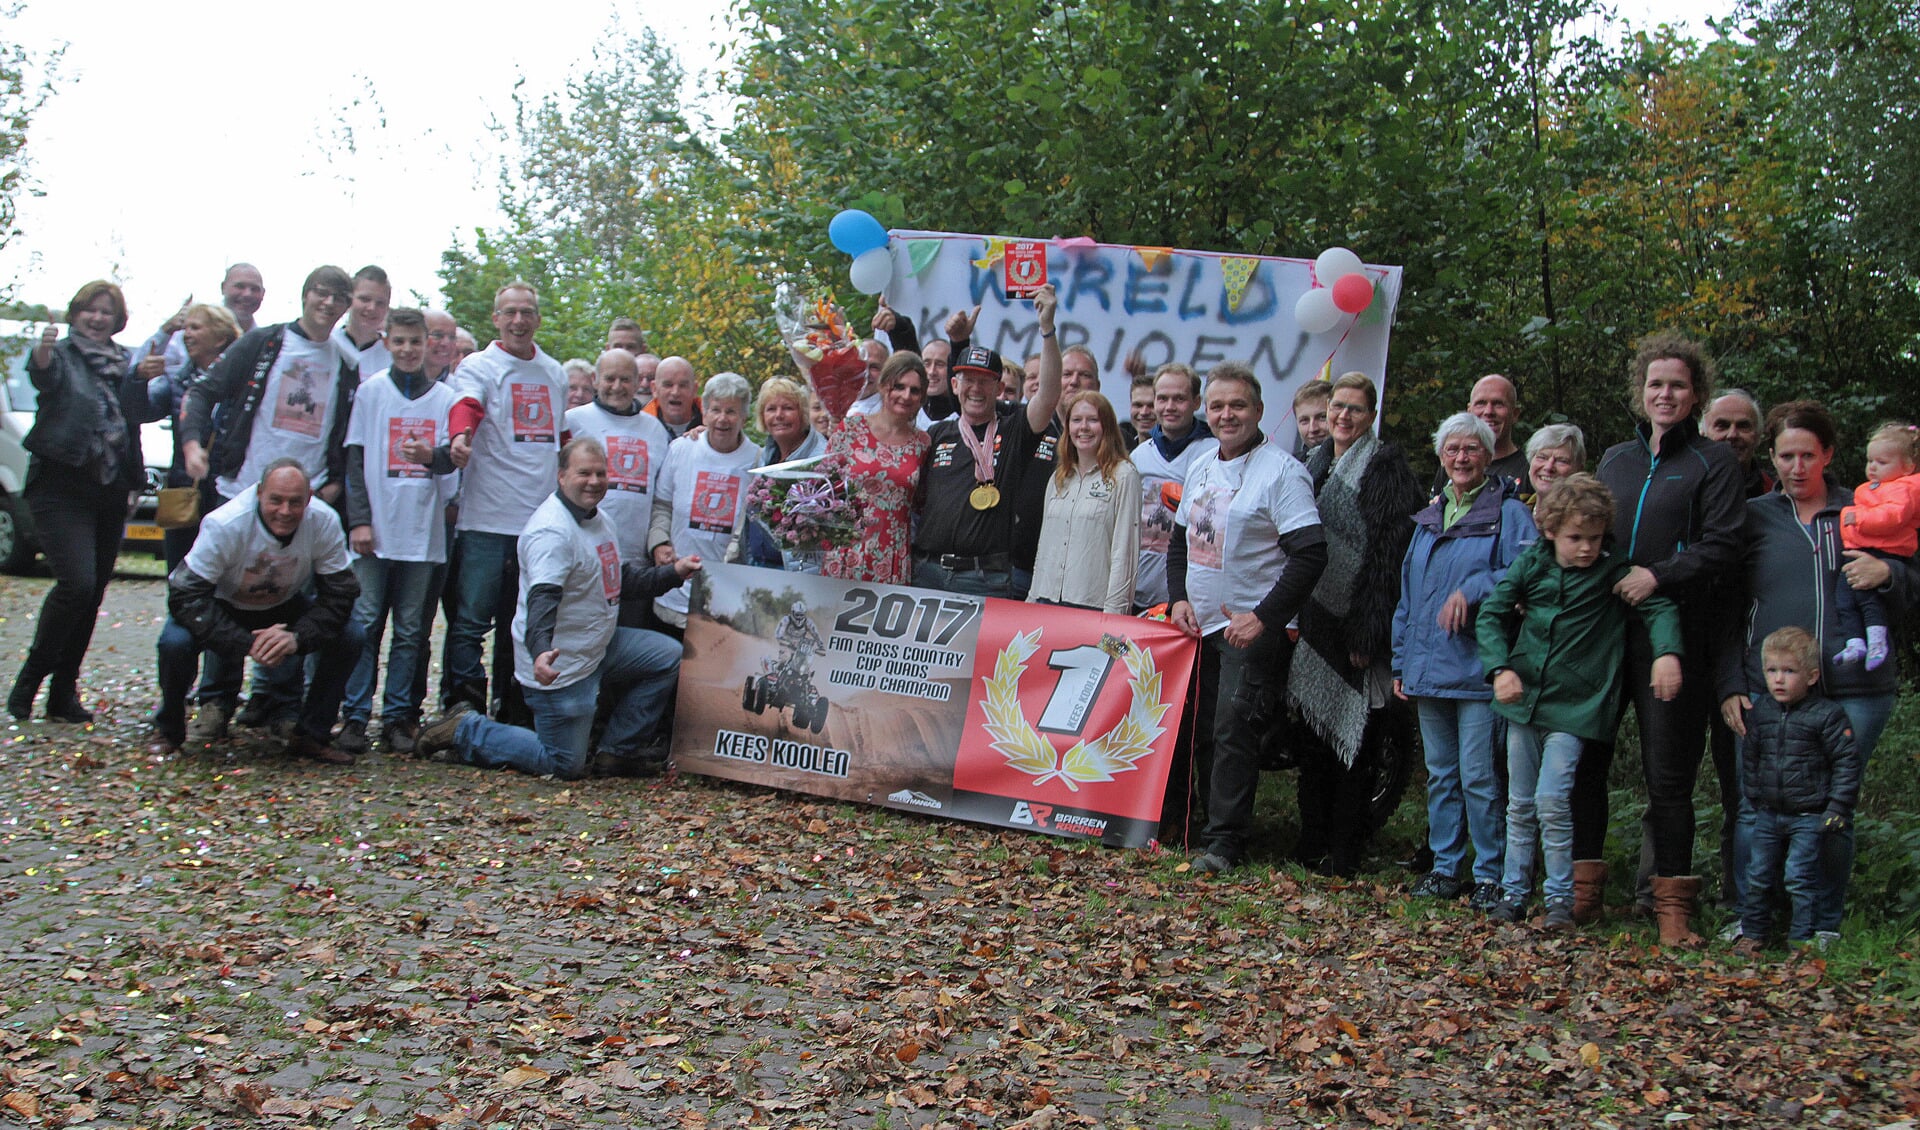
<point>1040,409</point>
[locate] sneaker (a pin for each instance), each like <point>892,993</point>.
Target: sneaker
<point>1825,939</point>
<point>1560,915</point>
<point>1731,931</point>
<point>254,714</point>
<point>1211,863</point>
<point>1435,885</point>
<point>1747,947</point>
<point>352,737</point>
<point>436,737</point>
<point>209,722</point>
<point>304,746</point>
<point>1485,897</point>
<point>1510,908</point>
<point>401,737</point>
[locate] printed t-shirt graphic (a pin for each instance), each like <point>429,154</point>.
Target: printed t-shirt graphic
<point>716,498</point>
<point>1207,532</point>
<point>300,403</point>
<point>627,464</point>
<point>402,430</point>
<point>609,570</point>
<point>532,414</point>
<point>266,580</point>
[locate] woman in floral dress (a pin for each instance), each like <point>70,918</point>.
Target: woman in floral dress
<point>881,456</point>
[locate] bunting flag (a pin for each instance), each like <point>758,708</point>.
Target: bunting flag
<point>1235,272</point>
<point>1074,245</point>
<point>996,251</point>
<point>921,254</point>
<point>1151,256</point>
<point>1326,370</point>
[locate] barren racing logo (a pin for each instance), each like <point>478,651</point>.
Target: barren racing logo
<point>1034,815</point>
<point>914,797</point>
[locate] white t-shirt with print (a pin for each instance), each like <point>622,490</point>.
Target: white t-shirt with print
<point>248,566</point>
<point>1235,511</point>
<point>294,415</point>
<point>409,502</point>
<point>1156,518</point>
<point>636,448</point>
<point>583,558</point>
<point>708,493</point>
<point>373,359</point>
<point>516,449</point>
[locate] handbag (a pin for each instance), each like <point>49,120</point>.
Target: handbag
<point>176,507</point>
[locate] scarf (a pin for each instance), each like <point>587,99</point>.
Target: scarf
<point>1171,448</point>
<point>107,446</point>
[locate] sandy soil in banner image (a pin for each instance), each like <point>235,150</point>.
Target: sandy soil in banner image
<point>895,742</point>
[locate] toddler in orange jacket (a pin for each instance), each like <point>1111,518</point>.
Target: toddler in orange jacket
<point>1884,520</point>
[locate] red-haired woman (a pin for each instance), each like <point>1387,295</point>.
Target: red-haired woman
<point>86,466</point>
<point>1090,536</point>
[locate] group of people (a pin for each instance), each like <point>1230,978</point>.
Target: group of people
<point>363,465</point>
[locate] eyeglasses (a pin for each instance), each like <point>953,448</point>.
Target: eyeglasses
<point>1339,409</point>
<point>439,335</point>
<point>1456,450</point>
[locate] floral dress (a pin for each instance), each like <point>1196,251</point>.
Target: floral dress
<point>886,476</point>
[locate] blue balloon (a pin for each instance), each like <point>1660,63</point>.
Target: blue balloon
<point>854,231</point>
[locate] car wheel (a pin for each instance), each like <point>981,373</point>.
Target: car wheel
<point>16,544</point>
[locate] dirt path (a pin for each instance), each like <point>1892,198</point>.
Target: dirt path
<point>230,937</point>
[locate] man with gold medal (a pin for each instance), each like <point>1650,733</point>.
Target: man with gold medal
<point>964,539</point>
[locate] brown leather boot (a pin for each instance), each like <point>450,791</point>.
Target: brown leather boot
<point>1589,890</point>
<point>1674,897</point>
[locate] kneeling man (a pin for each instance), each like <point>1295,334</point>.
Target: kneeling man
<point>241,593</point>
<point>567,642</point>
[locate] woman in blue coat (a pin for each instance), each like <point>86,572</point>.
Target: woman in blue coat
<point>1462,545</point>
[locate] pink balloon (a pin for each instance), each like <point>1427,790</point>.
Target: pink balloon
<point>1353,293</point>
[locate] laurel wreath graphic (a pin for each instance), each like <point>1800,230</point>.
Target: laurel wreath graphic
<point>1116,751</point>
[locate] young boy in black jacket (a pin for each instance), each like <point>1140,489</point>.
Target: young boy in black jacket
<point>1801,777</point>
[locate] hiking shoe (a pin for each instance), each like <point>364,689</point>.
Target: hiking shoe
<point>401,737</point>
<point>209,722</point>
<point>305,746</point>
<point>1825,939</point>
<point>1435,885</point>
<point>1560,915</point>
<point>1510,908</point>
<point>1211,863</point>
<point>255,714</point>
<point>352,737</point>
<point>1731,931</point>
<point>1485,897</point>
<point>436,737</point>
<point>1747,947</point>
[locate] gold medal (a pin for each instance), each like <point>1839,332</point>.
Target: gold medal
<point>986,496</point>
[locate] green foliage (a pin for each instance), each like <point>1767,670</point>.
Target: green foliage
<point>25,83</point>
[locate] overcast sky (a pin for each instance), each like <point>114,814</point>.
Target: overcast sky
<point>180,139</point>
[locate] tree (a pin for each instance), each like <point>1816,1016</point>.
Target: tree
<point>25,84</point>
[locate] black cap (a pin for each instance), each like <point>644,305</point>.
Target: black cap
<point>981,358</point>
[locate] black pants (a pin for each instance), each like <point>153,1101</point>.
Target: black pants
<point>1242,691</point>
<point>79,525</point>
<point>1336,811</point>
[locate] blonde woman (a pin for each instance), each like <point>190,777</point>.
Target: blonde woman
<point>1090,536</point>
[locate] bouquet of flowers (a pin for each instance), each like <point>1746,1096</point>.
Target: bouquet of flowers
<point>824,347</point>
<point>803,512</point>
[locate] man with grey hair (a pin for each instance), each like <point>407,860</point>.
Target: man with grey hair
<point>645,366</point>
<point>676,396</point>
<point>1496,403</point>
<point>567,643</point>
<point>702,487</point>
<point>1734,418</point>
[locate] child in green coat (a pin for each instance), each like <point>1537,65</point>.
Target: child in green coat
<point>1553,640</point>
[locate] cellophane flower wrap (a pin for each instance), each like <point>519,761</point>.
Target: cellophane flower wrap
<point>805,512</point>
<point>824,347</point>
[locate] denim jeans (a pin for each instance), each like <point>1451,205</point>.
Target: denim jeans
<point>1796,840</point>
<point>334,663</point>
<point>1868,715</point>
<point>485,589</point>
<point>928,573</point>
<point>402,591</point>
<point>1540,768</point>
<point>1463,787</point>
<point>1242,692</point>
<point>640,667</point>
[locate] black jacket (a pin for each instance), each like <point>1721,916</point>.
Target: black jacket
<point>237,383</point>
<point>69,413</point>
<point>1800,758</point>
<point>218,626</point>
<point>1677,511</point>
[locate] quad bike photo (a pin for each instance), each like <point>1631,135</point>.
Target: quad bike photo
<point>788,680</point>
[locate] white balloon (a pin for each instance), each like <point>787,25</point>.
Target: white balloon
<point>1334,264</point>
<point>872,270</point>
<point>1315,312</point>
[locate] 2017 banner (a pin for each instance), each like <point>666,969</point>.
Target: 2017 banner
<point>1027,716</point>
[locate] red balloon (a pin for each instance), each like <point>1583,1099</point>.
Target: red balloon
<point>1353,293</point>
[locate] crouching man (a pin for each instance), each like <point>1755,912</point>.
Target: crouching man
<point>567,643</point>
<point>241,593</point>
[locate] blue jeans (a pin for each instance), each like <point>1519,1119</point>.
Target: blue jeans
<point>180,654</point>
<point>928,573</point>
<point>1868,714</point>
<point>1796,840</point>
<point>1540,768</point>
<point>640,666</point>
<point>402,590</point>
<point>1463,787</point>
<point>485,588</point>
